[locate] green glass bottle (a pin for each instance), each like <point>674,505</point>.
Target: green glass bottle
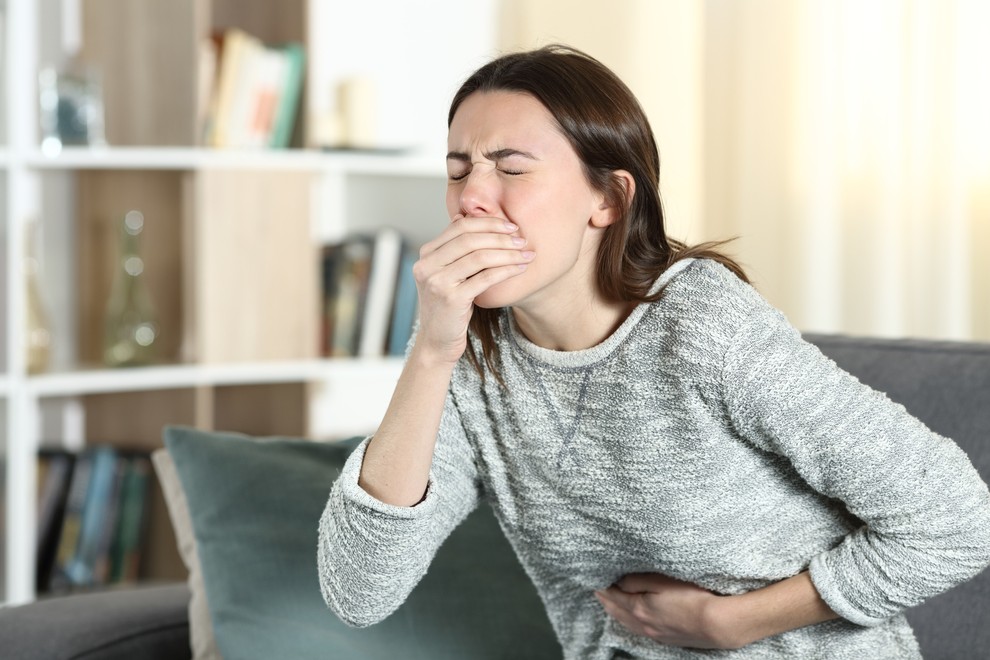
<point>131,334</point>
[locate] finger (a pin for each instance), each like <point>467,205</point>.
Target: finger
<point>454,263</point>
<point>478,246</point>
<point>476,261</point>
<point>441,273</point>
<point>618,597</point>
<point>462,291</point>
<point>468,225</point>
<point>486,279</point>
<point>623,616</point>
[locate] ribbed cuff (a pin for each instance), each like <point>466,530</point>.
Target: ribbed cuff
<point>828,588</point>
<point>352,492</point>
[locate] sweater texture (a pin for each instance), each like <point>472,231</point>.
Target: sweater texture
<point>704,440</point>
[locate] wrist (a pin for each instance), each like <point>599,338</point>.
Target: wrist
<point>725,621</point>
<point>791,603</point>
<point>423,356</point>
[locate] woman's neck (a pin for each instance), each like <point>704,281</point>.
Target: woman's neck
<point>573,324</point>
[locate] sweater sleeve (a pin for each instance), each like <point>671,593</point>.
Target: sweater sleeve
<point>371,554</point>
<point>924,508</point>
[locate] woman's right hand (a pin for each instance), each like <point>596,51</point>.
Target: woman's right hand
<point>471,255</point>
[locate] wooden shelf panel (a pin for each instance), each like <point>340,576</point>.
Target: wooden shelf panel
<point>103,199</point>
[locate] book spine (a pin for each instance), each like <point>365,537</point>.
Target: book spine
<point>81,568</point>
<point>51,513</point>
<point>406,304</point>
<point>285,116</point>
<point>125,552</point>
<point>380,296</point>
<point>68,539</point>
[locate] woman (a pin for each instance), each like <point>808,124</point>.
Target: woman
<point>676,468</point>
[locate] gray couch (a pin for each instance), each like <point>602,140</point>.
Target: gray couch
<point>946,385</point>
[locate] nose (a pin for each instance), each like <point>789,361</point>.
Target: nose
<point>479,196</point>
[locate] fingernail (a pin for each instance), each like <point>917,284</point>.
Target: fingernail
<point>528,254</point>
<point>518,241</point>
<point>510,226</point>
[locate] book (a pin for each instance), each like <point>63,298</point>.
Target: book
<point>126,547</point>
<point>55,476</point>
<point>259,86</point>
<point>235,47</point>
<point>406,304</point>
<point>386,256</point>
<point>288,106</point>
<point>351,272</point>
<point>256,91</point>
<point>110,522</point>
<point>331,255</point>
<point>206,71</point>
<point>95,516</point>
<point>68,537</point>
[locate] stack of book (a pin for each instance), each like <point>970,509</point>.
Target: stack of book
<point>369,295</point>
<point>252,90</point>
<point>92,513</point>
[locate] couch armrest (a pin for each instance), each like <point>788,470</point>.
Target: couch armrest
<point>144,622</point>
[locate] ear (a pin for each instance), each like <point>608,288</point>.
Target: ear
<point>605,214</point>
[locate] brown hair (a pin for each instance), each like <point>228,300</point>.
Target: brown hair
<point>608,129</point>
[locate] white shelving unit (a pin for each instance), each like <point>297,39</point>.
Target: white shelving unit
<point>185,158</point>
<point>350,192</point>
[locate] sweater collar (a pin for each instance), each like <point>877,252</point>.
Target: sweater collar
<point>588,356</point>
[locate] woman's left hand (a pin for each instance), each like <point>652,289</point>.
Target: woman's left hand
<point>667,610</point>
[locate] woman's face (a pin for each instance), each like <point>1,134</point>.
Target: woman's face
<point>507,159</point>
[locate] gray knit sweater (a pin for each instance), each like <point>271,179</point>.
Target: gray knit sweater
<point>704,440</point>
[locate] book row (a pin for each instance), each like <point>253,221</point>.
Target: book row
<point>251,90</point>
<point>369,295</point>
<point>92,515</point>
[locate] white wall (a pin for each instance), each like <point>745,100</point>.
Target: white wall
<point>417,53</point>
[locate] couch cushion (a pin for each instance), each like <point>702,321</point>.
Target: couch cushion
<point>120,624</point>
<point>255,505</point>
<point>201,640</point>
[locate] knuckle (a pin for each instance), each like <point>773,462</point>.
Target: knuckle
<point>434,288</point>
<point>473,241</point>
<point>419,271</point>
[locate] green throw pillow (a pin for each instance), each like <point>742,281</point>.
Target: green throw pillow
<point>255,506</point>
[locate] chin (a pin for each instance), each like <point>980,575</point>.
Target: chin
<point>503,294</point>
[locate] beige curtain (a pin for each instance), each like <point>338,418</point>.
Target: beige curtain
<point>846,144</point>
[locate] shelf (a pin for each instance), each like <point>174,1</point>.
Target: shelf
<point>102,381</point>
<point>180,158</point>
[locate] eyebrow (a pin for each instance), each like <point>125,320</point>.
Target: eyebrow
<point>497,155</point>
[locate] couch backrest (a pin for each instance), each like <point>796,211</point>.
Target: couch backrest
<point>947,386</point>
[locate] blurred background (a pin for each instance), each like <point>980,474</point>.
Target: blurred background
<point>846,144</point>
